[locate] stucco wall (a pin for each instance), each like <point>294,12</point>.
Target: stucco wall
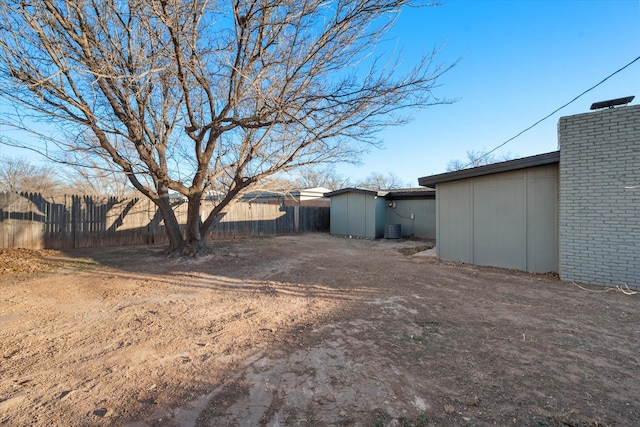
<point>599,210</point>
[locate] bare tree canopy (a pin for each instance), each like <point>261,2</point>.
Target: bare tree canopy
<point>378,181</point>
<point>182,94</point>
<point>98,182</point>
<point>477,158</point>
<point>21,176</point>
<point>327,176</point>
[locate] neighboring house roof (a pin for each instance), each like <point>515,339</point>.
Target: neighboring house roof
<point>403,193</point>
<point>510,165</point>
<point>311,193</point>
<point>320,190</point>
<point>302,195</point>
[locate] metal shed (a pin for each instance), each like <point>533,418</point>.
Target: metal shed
<point>358,213</point>
<point>504,214</point>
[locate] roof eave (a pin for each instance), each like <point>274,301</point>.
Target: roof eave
<point>509,165</point>
<point>407,195</point>
<point>355,190</point>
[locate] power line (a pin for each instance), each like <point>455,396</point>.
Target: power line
<point>554,111</point>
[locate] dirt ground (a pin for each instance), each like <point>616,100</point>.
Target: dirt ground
<point>309,330</point>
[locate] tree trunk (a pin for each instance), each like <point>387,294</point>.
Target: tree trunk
<point>193,244</point>
<point>172,228</point>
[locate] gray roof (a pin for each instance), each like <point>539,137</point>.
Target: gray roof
<point>355,190</point>
<point>401,193</point>
<point>411,193</point>
<point>510,165</point>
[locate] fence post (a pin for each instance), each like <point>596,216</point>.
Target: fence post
<point>74,218</point>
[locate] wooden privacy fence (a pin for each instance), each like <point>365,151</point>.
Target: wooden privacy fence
<point>29,220</point>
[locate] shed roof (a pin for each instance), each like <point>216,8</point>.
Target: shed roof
<point>411,193</point>
<point>402,193</point>
<point>510,165</point>
<point>355,190</point>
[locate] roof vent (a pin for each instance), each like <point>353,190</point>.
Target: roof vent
<point>612,103</point>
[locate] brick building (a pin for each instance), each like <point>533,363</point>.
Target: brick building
<point>599,217</point>
<point>575,212</point>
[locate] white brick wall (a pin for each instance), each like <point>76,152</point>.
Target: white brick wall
<point>599,217</point>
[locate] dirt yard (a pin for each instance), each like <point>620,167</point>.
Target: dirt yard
<point>309,330</point>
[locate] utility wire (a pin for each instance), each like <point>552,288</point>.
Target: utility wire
<point>552,113</point>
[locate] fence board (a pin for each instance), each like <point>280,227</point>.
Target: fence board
<point>32,221</point>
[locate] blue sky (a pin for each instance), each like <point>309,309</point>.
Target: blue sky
<point>520,60</point>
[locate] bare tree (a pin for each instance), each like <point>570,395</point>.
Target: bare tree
<point>184,94</point>
<point>477,158</point>
<point>98,182</point>
<point>314,176</point>
<point>94,176</point>
<point>378,181</point>
<point>20,175</point>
